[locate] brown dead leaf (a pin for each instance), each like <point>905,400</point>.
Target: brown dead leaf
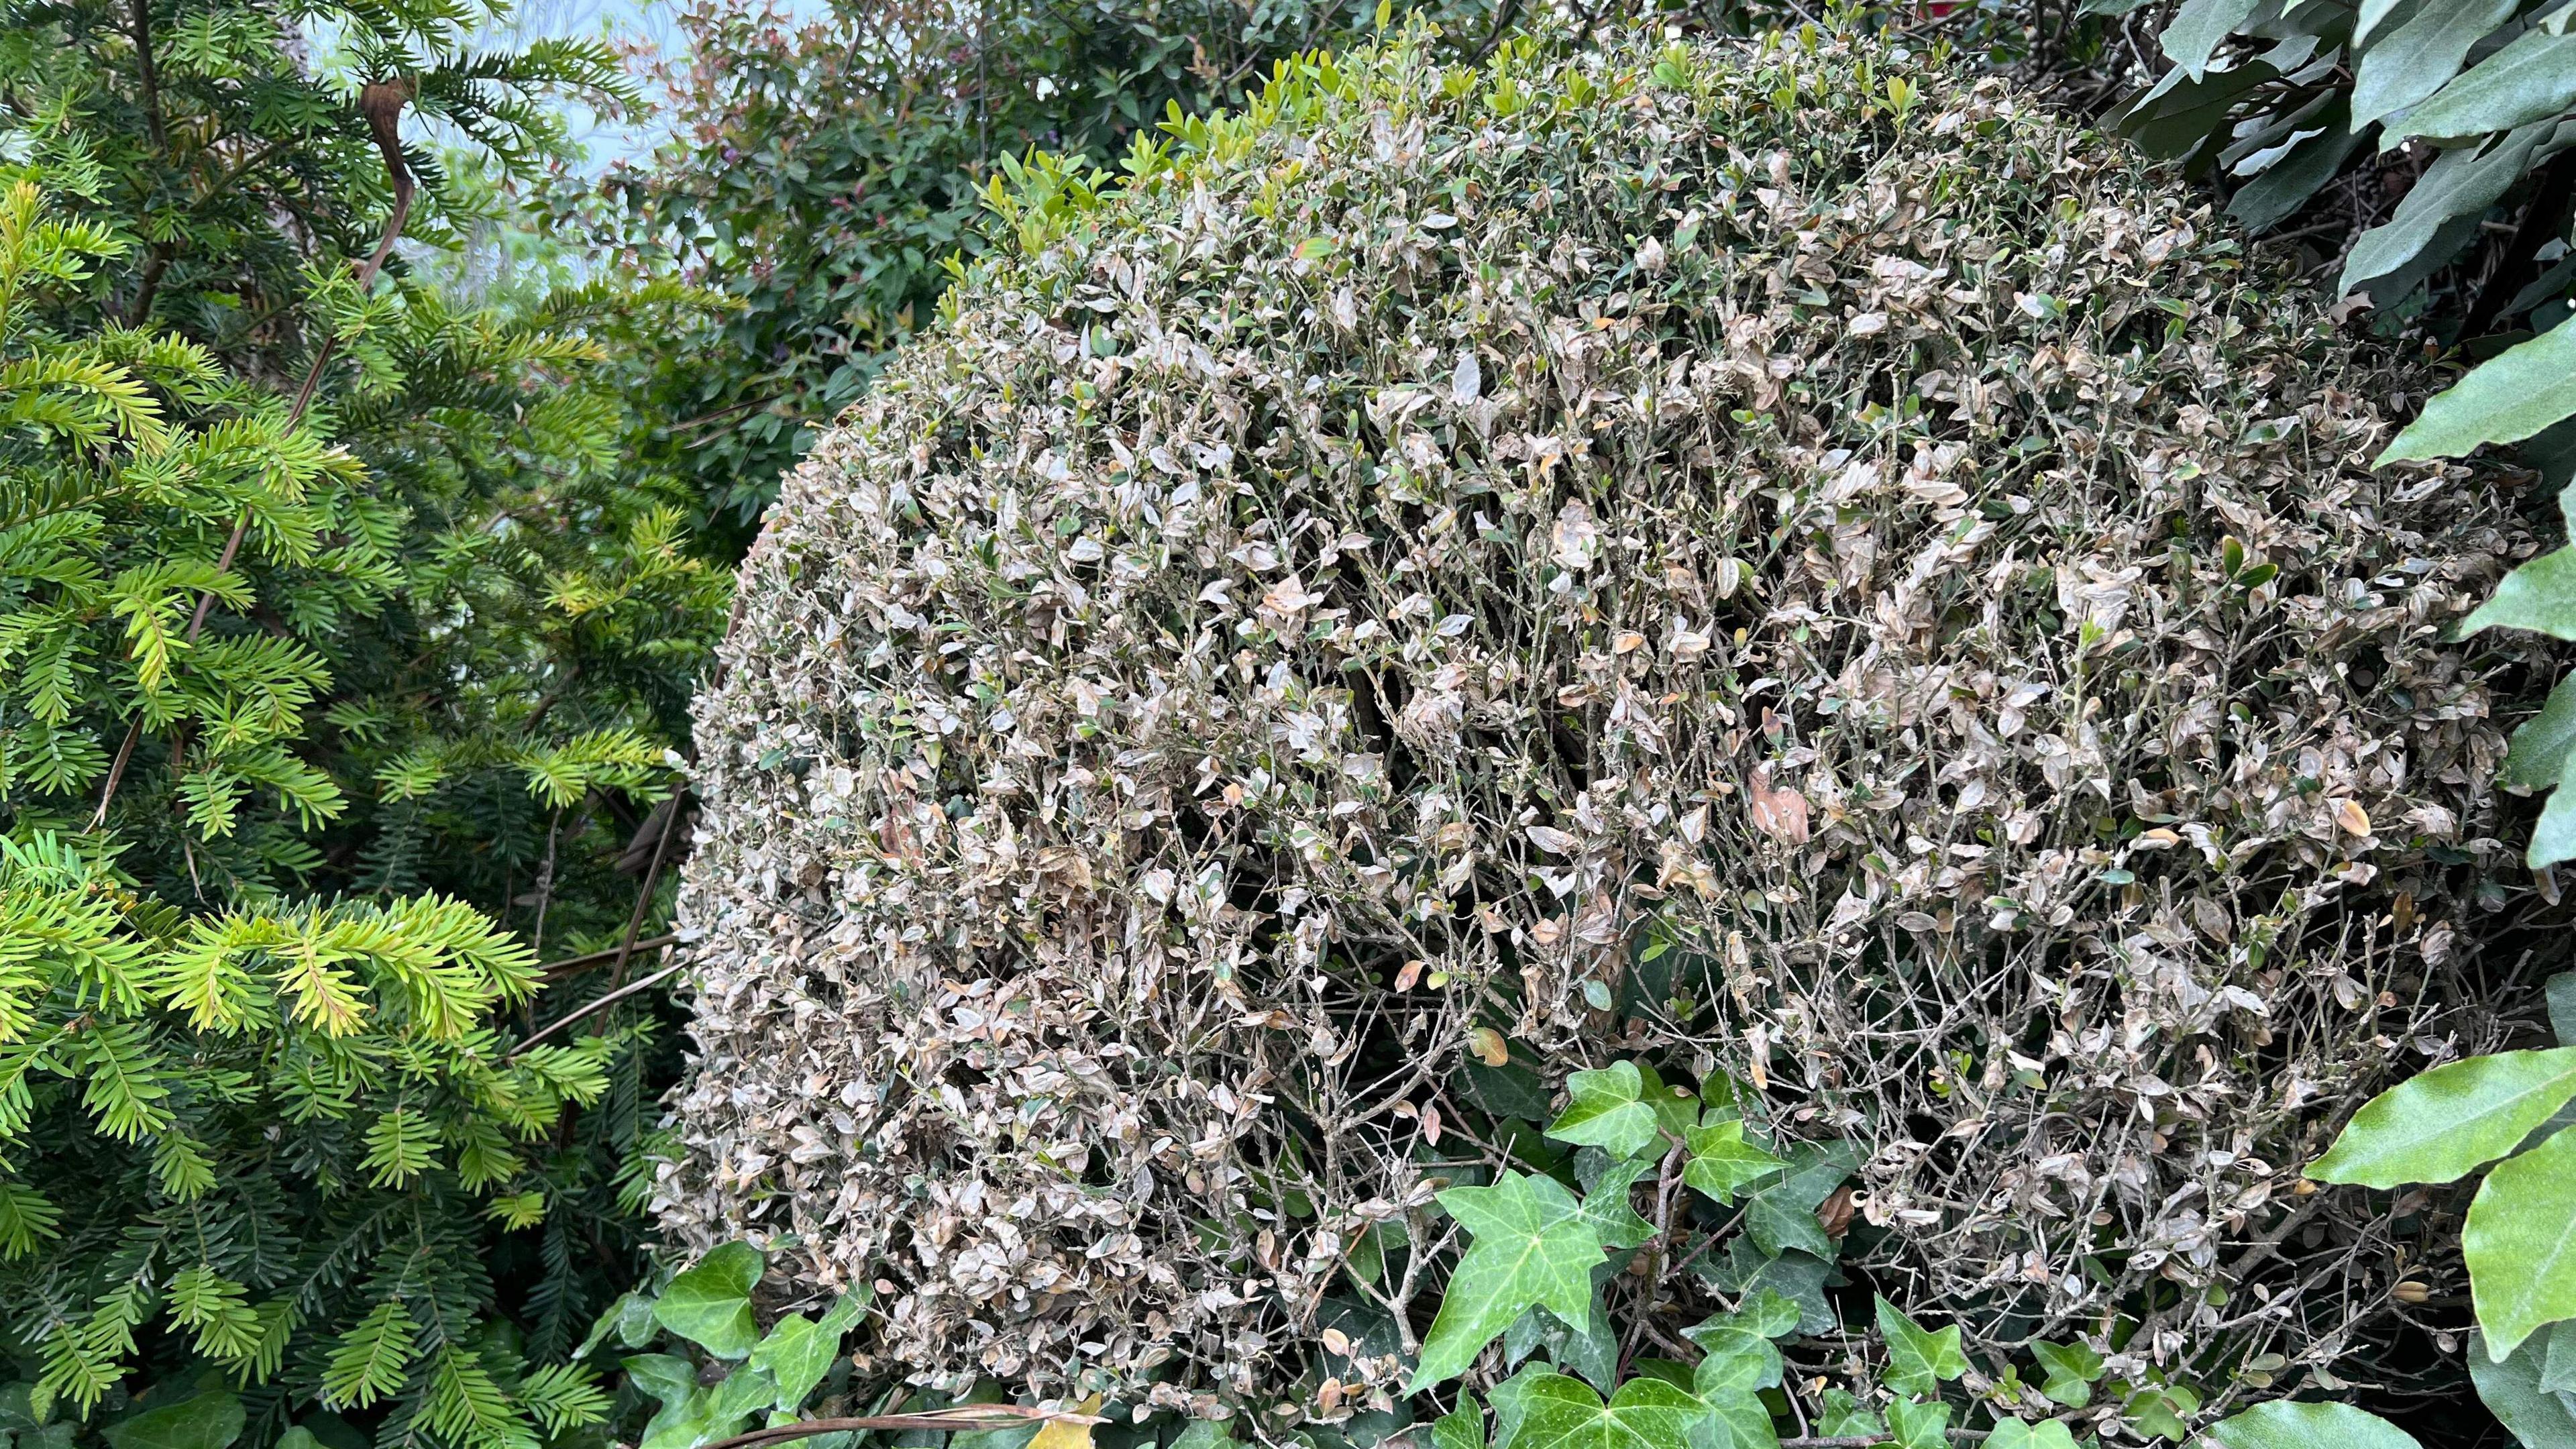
<point>1779,812</point>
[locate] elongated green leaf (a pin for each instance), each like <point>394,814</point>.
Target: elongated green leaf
<point>2276,194</point>
<point>1608,1111</point>
<point>2539,596</point>
<point>1563,1413</point>
<point>2517,1392</point>
<point>2520,1242</point>
<point>2198,28</point>
<point>2553,835</point>
<point>2284,1425</point>
<point>2420,57</point>
<point>1723,1163</point>
<point>1529,1243</point>
<point>2505,399</point>
<point>710,1304</point>
<point>2532,79</point>
<point>2371,15</point>
<point>1918,1360</point>
<point>2443,1124</point>
<point>211,1420</point>
<point>2458,187</point>
<point>2538,754</point>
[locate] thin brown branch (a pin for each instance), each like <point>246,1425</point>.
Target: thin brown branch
<point>593,1008</point>
<point>965,1418</point>
<point>575,965</point>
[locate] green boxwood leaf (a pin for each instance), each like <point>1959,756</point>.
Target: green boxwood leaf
<point>211,1420</point>
<point>2520,1243</point>
<point>710,1304</point>
<point>2285,1425</point>
<point>1917,1360</point>
<point>1529,1243</point>
<point>2505,399</point>
<point>2443,1124</point>
<point>1564,1413</point>
<point>1722,1163</point>
<point>2530,79</point>
<point>1608,1112</point>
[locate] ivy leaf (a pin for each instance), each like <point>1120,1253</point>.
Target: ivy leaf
<point>1607,1209</point>
<point>2520,1243</point>
<point>1511,1402</point>
<point>1608,1112</point>
<point>1778,1224</point>
<point>2443,1124</point>
<point>1722,1163</point>
<point>2158,1410</point>
<point>1529,1242</point>
<point>2285,1425</point>
<point>1840,1416</point>
<point>1738,1359</point>
<point>799,1351</point>
<point>2070,1369</point>
<point>1918,1424</point>
<point>710,1304</point>
<point>630,1318</point>
<point>1768,1313</point>
<point>1732,1419</point>
<point>1461,1428</point>
<point>1564,1413</point>
<point>1918,1361</point>
<point>211,1420</point>
<point>2014,1434</point>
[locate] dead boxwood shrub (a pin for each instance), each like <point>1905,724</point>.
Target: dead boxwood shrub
<point>1346,589</point>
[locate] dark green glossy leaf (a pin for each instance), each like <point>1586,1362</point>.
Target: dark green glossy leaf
<point>710,1304</point>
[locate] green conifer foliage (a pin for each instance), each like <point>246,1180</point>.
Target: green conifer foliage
<point>342,649</point>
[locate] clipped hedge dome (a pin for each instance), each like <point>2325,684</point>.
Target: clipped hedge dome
<point>1707,555</point>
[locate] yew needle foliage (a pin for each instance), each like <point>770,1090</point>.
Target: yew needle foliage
<point>341,651</point>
